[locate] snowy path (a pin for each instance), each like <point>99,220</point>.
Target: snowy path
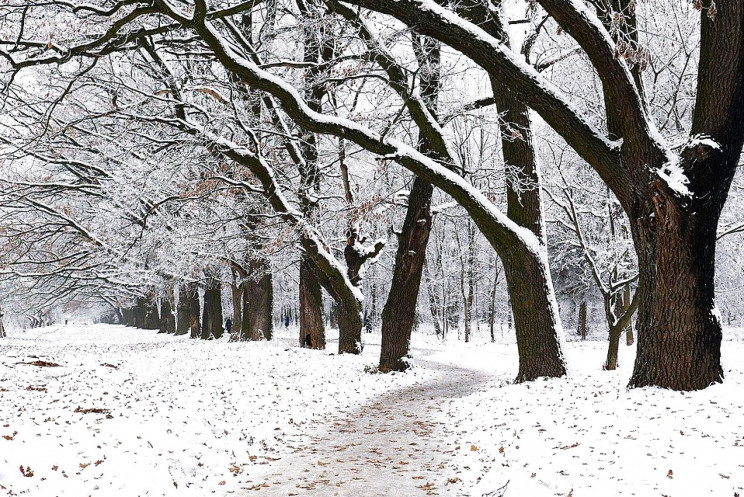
<point>396,445</point>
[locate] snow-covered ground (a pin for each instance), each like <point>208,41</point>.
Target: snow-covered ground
<point>128,412</point>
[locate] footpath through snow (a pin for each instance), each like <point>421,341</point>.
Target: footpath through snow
<point>399,444</point>
<point>113,411</point>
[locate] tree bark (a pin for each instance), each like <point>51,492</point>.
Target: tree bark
<point>183,323</point>
<point>312,327</point>
<point>679,339</point>
<point>212,312</point>
<point>581,328</point>
<point>400,308</point>
<point>193,299</point>
<point>399,312</point>
<point>167,319</point>
<point>535,315</point>
<point>258,303</point>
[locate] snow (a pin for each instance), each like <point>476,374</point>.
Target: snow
<point>703,141</point>
<point>214,417</point>
<point>675,178</point>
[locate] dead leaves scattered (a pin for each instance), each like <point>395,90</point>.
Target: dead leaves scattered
<point>94,410</point>
<point>27,472</point>
<point>44,364</point>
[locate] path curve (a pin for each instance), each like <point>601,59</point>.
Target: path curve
<point>396,445</point>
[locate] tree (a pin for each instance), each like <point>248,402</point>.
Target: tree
<point>670,195</point>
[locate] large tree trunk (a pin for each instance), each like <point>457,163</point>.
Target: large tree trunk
<point>140,313</point>
<point>193,299</point>
<point>212,313</point>
<point>183,323</point>
<point>167,319</point>
<point>679,329</point>
<point>400,308</point>
<point>152,319</point>
<point>258,302</point>
<point>312,327</point>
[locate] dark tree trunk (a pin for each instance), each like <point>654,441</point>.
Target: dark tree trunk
<point>193,299</point>
<point>167,319</point>
<point>212,313</point>
<point>140,313</point>
<point>152,319</point>
<point>535,316</point>
<point>350,325</point>
<point>679,338</point>
<point>400,308</point>
<point>312,327</point>
<point>128,315</point>
<point>183,323</point>
<point>581,328</point>
<point>258,302</point>
<point>399,312</point>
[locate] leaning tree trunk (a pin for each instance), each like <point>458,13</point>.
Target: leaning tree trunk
<point>400,308</point>
<point>536,318</point>
<point>212,313</point>
<point>399,312</point>
<point>2,328</point>
<point>312,327</point>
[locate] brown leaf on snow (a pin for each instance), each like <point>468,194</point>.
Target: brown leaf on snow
<point>670,474</point>
<point>84,465</point>
<point>93,410</point>
<point>44,364</point>
<point>223,482</point>
<point>28,473</point>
